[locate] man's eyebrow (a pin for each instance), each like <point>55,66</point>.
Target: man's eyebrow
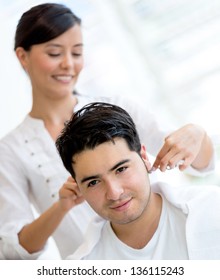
<point>89,178</point>
<point>119,163</point>
<point>93,177</point>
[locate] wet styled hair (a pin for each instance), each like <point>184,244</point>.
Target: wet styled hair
<point>43,23</point>
<point>94,124</point>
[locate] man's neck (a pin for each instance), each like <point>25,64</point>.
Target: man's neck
<point>138,233</point>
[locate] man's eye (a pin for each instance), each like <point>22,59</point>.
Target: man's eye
<point>121,169</point>
<point>93,183</point>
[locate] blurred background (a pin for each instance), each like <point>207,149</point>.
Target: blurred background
<point>165,53</point>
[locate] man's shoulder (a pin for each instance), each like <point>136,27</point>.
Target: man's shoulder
<point>92,238</point>
<point>189,194</point>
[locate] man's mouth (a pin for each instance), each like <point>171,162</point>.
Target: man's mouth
<point>122,205</point>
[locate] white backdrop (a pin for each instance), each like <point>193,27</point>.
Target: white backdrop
<point>158,51</point>
<point>161,52</point>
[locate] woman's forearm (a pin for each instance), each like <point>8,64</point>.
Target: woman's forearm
<point>34,236</point>
<point>205,154</point>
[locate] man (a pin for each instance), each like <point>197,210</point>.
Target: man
<point>101,149</point>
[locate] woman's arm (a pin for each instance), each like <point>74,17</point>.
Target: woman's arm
<point>34,236</point>
<point>189,145</point>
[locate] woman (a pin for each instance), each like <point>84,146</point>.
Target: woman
<point>49,46</point>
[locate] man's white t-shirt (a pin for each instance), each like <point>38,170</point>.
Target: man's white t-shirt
<point>168,242</point>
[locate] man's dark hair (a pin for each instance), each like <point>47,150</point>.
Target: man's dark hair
<point>93,125</point>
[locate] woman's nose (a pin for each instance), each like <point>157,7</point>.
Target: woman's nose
<point>67,61</point>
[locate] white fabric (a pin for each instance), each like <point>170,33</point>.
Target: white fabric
<point>168,242</point>
<point>189,228</point>
<point>31,171</point>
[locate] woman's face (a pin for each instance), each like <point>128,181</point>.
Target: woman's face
<point>54,66</point>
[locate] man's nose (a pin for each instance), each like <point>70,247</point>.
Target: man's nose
<point>114,190</point>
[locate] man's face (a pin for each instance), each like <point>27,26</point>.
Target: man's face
<point>113,180</point>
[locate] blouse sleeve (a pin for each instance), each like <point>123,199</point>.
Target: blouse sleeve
<point>15,209</point>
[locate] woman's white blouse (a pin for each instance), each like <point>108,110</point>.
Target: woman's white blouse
<point>31,173</point>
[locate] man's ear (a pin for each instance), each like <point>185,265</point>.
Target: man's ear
<point>144,156</point>
<point>22,57</point>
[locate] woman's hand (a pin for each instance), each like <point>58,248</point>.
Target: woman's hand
<point>188,145</point>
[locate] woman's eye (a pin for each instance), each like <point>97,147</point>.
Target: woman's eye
<point>93,183</point>
<point>54,54</point>
<point>77,54</point>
